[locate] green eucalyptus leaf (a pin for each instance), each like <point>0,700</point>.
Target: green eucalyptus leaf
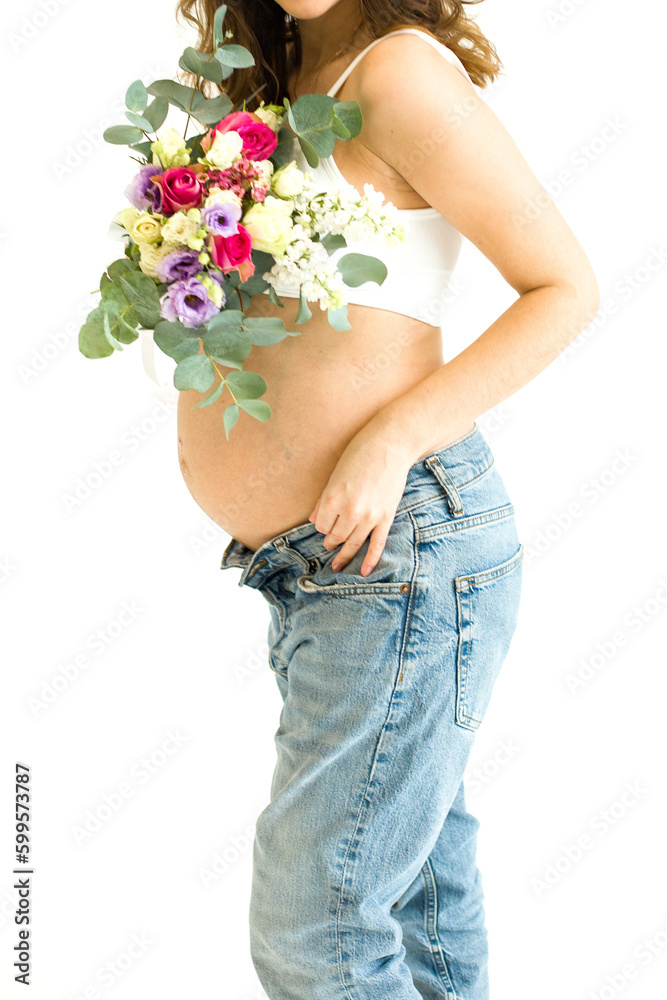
<point>308,151</point>
<point>229,418</point>
<point>338,318</point>
<point>333,241</point>
<point>212,396</point>
<point>109,335</point>
<point>177,94</point>
<point>356,268</point>
<point>173,341</point>
<point>303,312</point>
<point>118,267</point>
<point>142,293</point>
<point>136,96</point>
<point>236,56</point>
<point>195,372</point>
<point>123,330</point>
<point>144,148</point>
<point>156,112</point>
<point>310,113</point>
<point>105,281</point>
<point>210,111</point>
<point>139,121</point>
<point>206,66</point>
<point>265,330</point>
<point>256,408</point>
<point>245,385</point>
<point>273,297</point>
<point>92,341</point>
<point>122,135</point>
<point>349,114</point>
<point>228,347</point>
<point>263,261</point>
<point>338,128</point>
<point>254,285</point>
<point>218,19</point>
<point>226,319</point>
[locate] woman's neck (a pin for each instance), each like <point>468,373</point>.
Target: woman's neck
<point>321,37</point>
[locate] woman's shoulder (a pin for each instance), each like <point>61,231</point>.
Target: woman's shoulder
<point>407,61</point>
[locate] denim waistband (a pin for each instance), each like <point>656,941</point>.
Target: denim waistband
<point>446,470</point>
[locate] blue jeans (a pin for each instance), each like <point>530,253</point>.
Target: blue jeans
<point>365,885</point>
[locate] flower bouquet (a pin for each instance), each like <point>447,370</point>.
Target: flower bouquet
<point>225,215</point>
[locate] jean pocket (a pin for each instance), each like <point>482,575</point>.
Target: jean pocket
<point>392,574</point>
<point>487,612</point>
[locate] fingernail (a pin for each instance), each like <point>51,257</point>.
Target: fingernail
<point>335,566</point>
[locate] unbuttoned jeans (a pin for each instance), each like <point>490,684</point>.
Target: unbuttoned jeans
<point>365,884</point>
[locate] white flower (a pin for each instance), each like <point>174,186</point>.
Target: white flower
<point>308,264</point>
<point>180,228</point>
<point>269,224</point>
<point>269,118</point>
<point>265,170</point>
<point>288,181</point>
<point>169,149</point>
<point>343,210</point>
<point>225,149</point>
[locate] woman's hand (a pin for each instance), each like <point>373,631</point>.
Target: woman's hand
<point>362,494</point>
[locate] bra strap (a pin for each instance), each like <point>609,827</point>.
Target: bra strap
<point>453,58</point>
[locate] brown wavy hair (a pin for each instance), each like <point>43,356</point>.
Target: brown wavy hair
<point>267,31</point>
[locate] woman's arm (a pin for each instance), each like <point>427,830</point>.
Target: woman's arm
<point>479,180</point>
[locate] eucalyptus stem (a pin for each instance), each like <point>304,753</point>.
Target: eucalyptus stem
<point>222,377</point>
<point>187,121</point>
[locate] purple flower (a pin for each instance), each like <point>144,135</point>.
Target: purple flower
<point>188,302</point>
<point>222,218</point>
<point>144,193</point>
<point>178,264</point>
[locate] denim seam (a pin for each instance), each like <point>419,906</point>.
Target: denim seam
<point>462,655</point>
<point>438,496</point>
<point>437,530</point>
<point>365,798</point>
<point>431,929</point>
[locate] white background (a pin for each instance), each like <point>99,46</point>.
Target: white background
<point>548,761</point>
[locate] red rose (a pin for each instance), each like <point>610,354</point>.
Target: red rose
<point>259,141</point>
<point>232,252</point>
<point>181,188</point>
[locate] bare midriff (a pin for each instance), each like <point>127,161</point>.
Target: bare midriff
<point>322,386</point>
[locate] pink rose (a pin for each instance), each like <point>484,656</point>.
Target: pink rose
<point>232,252</point>
<point>181,188</point>
<point>259,141</point>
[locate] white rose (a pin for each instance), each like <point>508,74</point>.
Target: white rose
<point>225,149</point>
<point>288,181</point>
<point>179,228</point>
<point>269,224</point>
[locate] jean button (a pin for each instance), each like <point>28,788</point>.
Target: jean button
<point>313,565</point>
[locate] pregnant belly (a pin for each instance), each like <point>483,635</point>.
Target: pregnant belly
<point>322,386</point>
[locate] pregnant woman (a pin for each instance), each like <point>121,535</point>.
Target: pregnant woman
<point>368,509</point>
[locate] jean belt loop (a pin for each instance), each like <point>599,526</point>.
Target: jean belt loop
<point>451,493</point>
<point>283,546</point>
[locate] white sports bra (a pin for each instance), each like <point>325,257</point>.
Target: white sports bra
<point>419,269</point>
